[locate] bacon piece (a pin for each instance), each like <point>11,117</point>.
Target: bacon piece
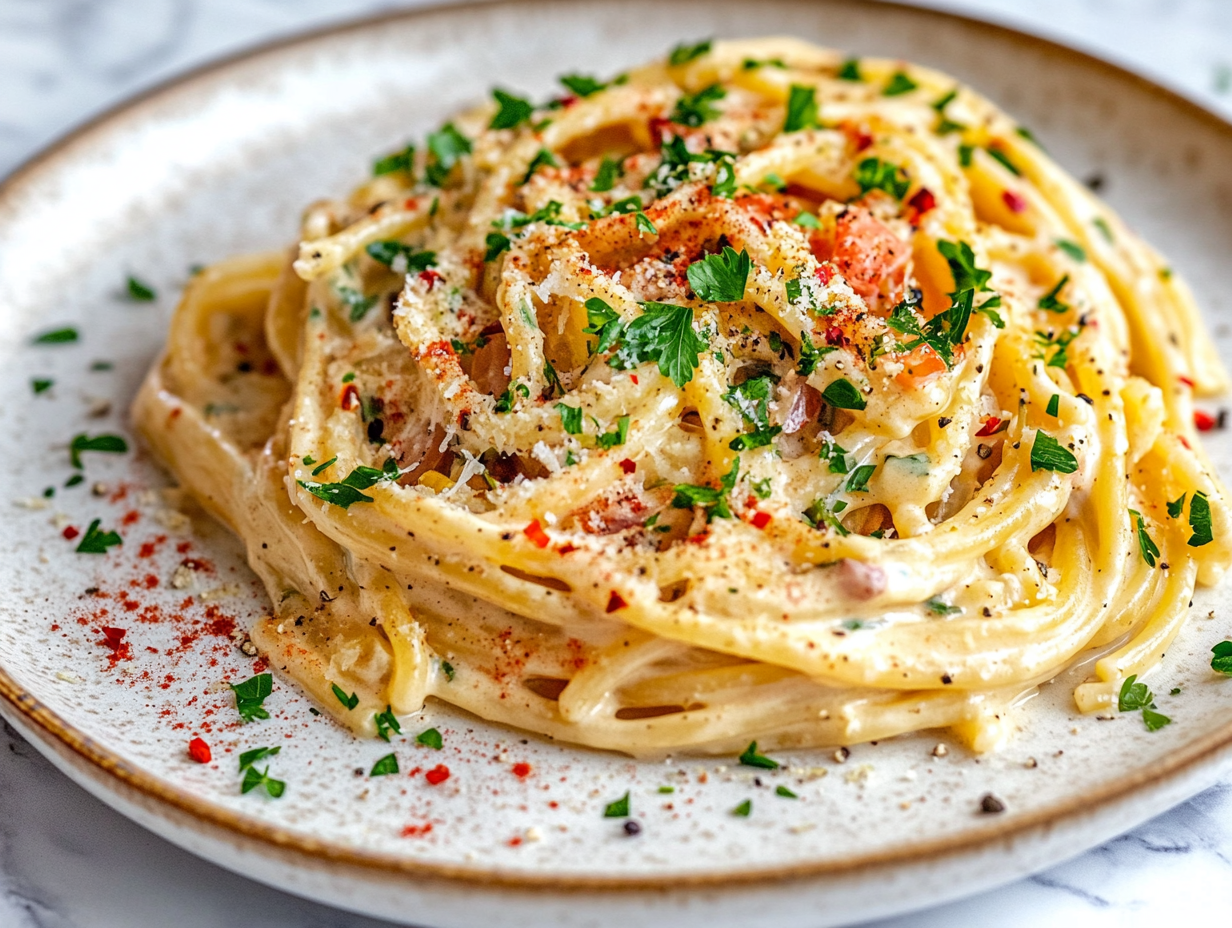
<point>804,409</point>
<point>861,580</point>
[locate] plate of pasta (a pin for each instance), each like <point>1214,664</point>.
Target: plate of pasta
<point>518,460</point>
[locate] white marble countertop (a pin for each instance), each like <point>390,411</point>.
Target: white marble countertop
<point>68,861</point>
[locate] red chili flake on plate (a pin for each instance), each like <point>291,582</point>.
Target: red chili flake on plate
<point>199,751</point>
<point>616,602</point>
<point>437,775</point>
<point>761,519</point>
<point>628,466</point>
<point>1203,421</point>
<point>991,426</point>
<point>417,831</point>
<point>114,637</point>
<point>1185,380</point>
<point>130,517</point>
<point>535,533</point>
<point>1015,202</point>
<point>514,842</point>
<point>70,533</point>
<point>521,771</point>
<point>430,277</point>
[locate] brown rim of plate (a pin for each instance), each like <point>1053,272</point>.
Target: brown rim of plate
<point>55,729</point>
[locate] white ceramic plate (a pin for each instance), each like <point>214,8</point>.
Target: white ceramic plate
<point>222,161</point>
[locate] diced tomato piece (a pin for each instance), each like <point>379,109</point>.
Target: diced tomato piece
<point>919,204</point>
<point>437,775</point>
<point>760,519</point>
<point>616,602</point>
<point>199,751</point>
<point>992,425</point>
<point>430,277</point>
<point>628,466</point>
<point>535,533</point>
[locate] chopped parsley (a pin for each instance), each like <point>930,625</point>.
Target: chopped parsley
<point>570,418</point>
<point>386,766</point>
<point>875,174</point>
<point>1049,300</point>
<point>512,113</point>
<point>1073,249</point>
<point>850,70</point>
<point>256,779</point>
<point>743,810</point>
<point>386,252</point>
<point>663,333</point>
<point>761,488</point>
<point>724,175</point>
<point>397,161</point>
<point>445,147</point>
<point>695,109</point>
<point>1146,545</point>
<point>807,220</point>
<point>57,336</point>
<point>835,456</point>
<point>582,85</point>
<point>752,399</point>
<point>939,607</point>
<point>507,400</point>
<point>448,670</point>
<point>543,159</point>
<point>1054,405</point>
<point>349,701</point>
<point>843,394</point>
<point>1104,229</point>
<point>616,437</point>
<point>684,53</point>
<point>430,739</point>
<point>553,379</point>
<point>96,541</point>
<point>712,499</point>
<point>248,758</point>
<point>1048,454</point>
<point>644,224</point>
<point>751,758</point>
<point>900,83</point>
<point>1200,520</point>
<point>140,292</point>
<point>1004,160</point>
<point>820,513</point>
<point>1177,506</point>
<point>385,723</point>
<point>112,444</point>
<point>785,792</point>
<point>619,808</point>
<point>355,301</point>
<point>811,355</point>
<point>250,695</point>
<point>1136,695</point>
<point>324,466</point>
<point>496,243</point>
<point>549,214</point>
<point>349,490</point>
<point>1060,358</point>
<point>1221,660</point>
<point>801,109</point>
<point>605,177</point>
<point>858,481</point>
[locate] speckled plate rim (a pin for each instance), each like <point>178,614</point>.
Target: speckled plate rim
<point>1212,752</point>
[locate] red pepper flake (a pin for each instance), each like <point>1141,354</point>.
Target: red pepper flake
<point>992,425</point>
<point>568,100</point>
<point>70,533</point>
<point>660,129</point>
<point>514,842</point>
<point>430,277</point>
<point>1203,421</point>
<point>350,398</point>
<point>199,751</point>
<point>521,771</point>
<point>1015,202</point>
<point>1185,380</point>
<point>114,637</point>
<point>628,466</point>
<point>633,377</point>
<point>417,831</point>
<point>567,548</point>
<point>616,602</point>
<point>761,519</point>
<point>130,517</point>
<point>1185,442</point>
<point>535,533</point>
<point>411,203</point>
<point>921,203</point>
<point>825,274</point>
<point>437,775</point>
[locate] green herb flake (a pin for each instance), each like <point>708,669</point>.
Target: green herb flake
<point>355,301</point>
<point>111,444</point>
<point>644,224</point>
<point>667,790</point>
<point>1004,160</point>
<point>900,83</point>
<point>1073,249</point>
<point>582,85</point>
<point>785,792</point>
<point>1054,405</point>
<point>430,739</point>
<point>663,333</point>
<point>348,492</point>
<point>616,437</point>
<point>744,809</point>
<point>251,694</point>
<point>807,220</point>
<point>1134,695</point>
<point>248,758</point>
<point>618,808</point>
<point>350,702</point>
<point>1105,230</point>
<point>938,607</point>
<point>1146,545</point>
<point>386,766</point>
<point>387,252</point>
<point>720,278</point>
<point>257,779</point>
<point>1049,300</point>
<point>41,385</point>
<point>96,541</point>
<point>964,155</point>
<point>843,394</point>
<point>512,113</point>
<point>496,244</point>
<point>386,722</point>
<point>570,418</point>
<point>446,147</point>
<point>875,174</point>
<point>849,70</point>
<point>1048,454</point>
<point>1221,659</point>
<point>761,488</point>
<point>751,758</point>
<point>693,110</point>
<point>397,161</point>
<point>543,159</point>
<point>712,499</point>
<point>684,53</point>
<point>801,109</point>
<point>140,292</point>
<point>857,482</point>
<point>73,481</point>
<point>1200,520</point>
<point>1154,721</point>
<point>323,466</point>
<point>62,336</point>
<point>605,177</point>
<point>447,669</point>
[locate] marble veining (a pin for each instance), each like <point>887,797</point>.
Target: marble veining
<point>67,861</point>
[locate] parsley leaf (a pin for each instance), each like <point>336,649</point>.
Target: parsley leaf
<point>900,83</point>
<point>843,394</point>
<point>1054,405</point>
<point>397,161</point>
<point>858,481</point>
<point>752,399</point>
<point>496,243</point>
<point>721,278</point>
<point>875,174</point>
<point>446,147</point>
<point>1004,160</point>
<point>1221,662</point>
<point>1146,546</point>
<point>756,439</point>
<point>1073,249</point>
<point>1154,720</point>
<point>250,695</point>
<point>254,779</point>
<point>939,607</point>
<point>1177,506</point>
<point>785,792</point>
<point>1049,300</point>
<point>684,53</point>
<point>95,541</point>
<point>349,701</point>
<point>386,766</point>
<point>248,758</point>
<point>712,499</point>
<point>801,109</point>
<point>512,113</point>
<point>582,85</point>
<point>41,385</point>
<point>820,513</point>
<point>614,438</point>
<point>811,354</point>
<point>549,214</point>
<point>348,491</point>
<point>1134,695</point>
<point>570,418</point>
<point>724,175</point>
<point>835,456</point>
<point>807,220</point>
<point>1200,520</point>
<point>744,809</point>
<point>618,808</point>
<point>507,400</point>
<point>57,336</point>
<point>605,177</point>
<point>1048,454</point>
<point>850,70</point>
<point>112,444</point>
<point>355,301</point>
<point>140,292</point>
<point>694,109</point>
<point>644,224</point>
<point>385,723</point>
<point>751,758</point>
<point>543,159</point>
<point>961,260</point>
<point>387,252</point>
<point>663,333</point>
<point>430,739</point>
